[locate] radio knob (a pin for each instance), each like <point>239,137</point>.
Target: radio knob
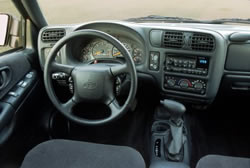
<point>171,82</point>
<point>198,85</point>
<point>184,84</point>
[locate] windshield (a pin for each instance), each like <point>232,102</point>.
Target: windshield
<point>77,11</point>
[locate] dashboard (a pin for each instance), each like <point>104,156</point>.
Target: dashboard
<point>186,61</point>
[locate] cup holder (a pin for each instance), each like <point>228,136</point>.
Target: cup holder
<point>160,127</point>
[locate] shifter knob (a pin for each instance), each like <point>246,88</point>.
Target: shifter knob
<point>175,109</point>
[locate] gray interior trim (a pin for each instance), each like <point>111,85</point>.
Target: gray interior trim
<point>34,12</point>
<point>148,35</point>
<point>66,153</point>
<point>217,161</point>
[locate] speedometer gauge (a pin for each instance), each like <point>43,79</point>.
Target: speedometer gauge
<point>102,49</point>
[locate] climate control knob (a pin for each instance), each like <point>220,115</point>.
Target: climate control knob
<point>198,85</point>
<point>184,83</point>
<point>171,82</point>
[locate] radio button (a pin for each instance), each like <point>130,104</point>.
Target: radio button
<point>184,70</point>
<point>169,62</point>
<point>204,72</point>
<point>168,68</point>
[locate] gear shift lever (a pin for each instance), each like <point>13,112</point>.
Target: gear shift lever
<point>177,139</point>
<point>175,109</point>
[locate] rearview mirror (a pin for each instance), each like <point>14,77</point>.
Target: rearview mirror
<point>4,28</point>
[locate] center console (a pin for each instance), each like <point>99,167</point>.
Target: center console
<point>169,141</point>
<point>178,67</point>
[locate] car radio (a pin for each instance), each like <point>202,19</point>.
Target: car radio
<point>196,65</point>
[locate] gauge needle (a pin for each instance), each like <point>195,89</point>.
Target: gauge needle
<point>98,52</point>
<point>118,53</point>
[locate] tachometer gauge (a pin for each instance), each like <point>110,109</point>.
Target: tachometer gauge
<point>117,53</point>
<point>102,49</point>
<point>86,54</point>
<point>137,55</point>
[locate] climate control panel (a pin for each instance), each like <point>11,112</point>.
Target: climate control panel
<point>185,84</point>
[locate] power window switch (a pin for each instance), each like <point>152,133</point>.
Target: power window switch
<point>24,84</point>
<point>29,75</point>
<point>14,94</point>
<point>20,83</point>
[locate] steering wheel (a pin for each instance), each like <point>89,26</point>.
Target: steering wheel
<point>92,82</point>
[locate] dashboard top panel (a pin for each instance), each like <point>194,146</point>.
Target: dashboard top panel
<point>189,44</point>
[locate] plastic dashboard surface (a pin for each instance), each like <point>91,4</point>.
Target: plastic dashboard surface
<point>186,61</point>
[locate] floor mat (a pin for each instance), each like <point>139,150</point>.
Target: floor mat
<point>223,130</point>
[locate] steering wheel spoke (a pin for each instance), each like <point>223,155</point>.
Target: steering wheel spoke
<point>114,107</point>
<point>119,69</point>
<point>55,67</point>
<point>68,106</point>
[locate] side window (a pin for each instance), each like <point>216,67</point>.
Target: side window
<point>16,38</point>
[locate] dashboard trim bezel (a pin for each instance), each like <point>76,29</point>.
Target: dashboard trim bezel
<point>142,31</point>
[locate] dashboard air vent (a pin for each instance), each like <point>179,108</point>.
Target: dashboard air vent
<point>202,42</point>
<point>173,39</point>
<point>53,35</point>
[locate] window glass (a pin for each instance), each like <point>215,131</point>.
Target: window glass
<point>7,6</point>
<point>78,11</point>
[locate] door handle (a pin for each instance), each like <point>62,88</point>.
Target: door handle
<point>4,77</point>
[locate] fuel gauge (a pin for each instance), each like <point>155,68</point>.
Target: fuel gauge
<point>137,55</point>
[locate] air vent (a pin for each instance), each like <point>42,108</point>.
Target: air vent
<point>53,35</point>
<point>173,39</point>
<point>202,42</point>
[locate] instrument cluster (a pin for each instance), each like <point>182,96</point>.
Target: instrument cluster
<point>100,49</point>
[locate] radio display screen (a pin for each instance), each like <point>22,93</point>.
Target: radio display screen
<point>202,62</point>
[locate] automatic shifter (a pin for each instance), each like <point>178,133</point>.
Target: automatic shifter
<point>176,139</point>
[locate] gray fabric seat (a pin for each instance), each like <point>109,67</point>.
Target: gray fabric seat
<point>217,161</point>
<point>74,154</point>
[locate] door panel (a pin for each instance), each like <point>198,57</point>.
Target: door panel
<point>17,81</point>
<point>14,66</point>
